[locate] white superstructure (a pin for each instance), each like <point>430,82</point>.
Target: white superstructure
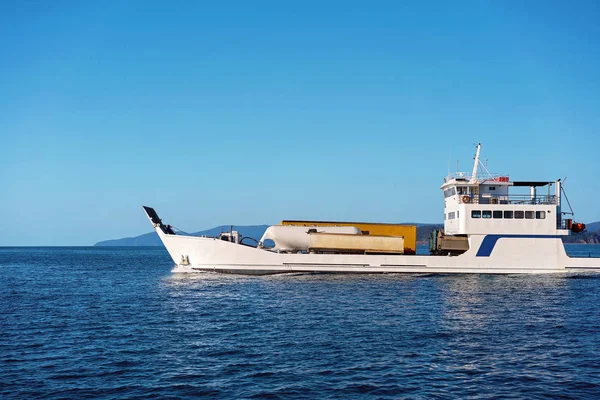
<point>491,225</point>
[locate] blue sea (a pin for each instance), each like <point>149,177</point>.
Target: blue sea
<point>115,323</point>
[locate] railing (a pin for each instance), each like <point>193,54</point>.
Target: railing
<point>458,175</point>
<point>510,199</point>
<point>480,177</point>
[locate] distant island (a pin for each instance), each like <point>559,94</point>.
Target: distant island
<point>590,236</point>
<point>152,239</point>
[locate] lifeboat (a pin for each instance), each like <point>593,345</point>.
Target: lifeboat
<point>577,227</point>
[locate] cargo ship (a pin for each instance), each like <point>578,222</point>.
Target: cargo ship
<point>488,228</point>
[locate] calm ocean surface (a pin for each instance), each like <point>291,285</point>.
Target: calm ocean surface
<point>114,323</point>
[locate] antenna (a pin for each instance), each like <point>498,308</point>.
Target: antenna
<point>476,164</point>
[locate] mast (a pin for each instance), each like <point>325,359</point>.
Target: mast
<point>475,164</point>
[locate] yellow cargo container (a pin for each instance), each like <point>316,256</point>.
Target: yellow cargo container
<point>408,232</point>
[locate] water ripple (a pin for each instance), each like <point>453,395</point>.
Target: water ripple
<point>103,322</point>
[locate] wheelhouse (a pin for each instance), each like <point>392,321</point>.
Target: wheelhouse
<point>485,203</point>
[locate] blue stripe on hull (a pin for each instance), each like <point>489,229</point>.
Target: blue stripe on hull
<point>489,242</point>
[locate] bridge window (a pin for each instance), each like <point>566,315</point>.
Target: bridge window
<point>451,215</point>
<point>449,192</point>
<point>519,214</point>
<point>497,214</point>
<point>540,215</point>
<point>461,190</point>
<point>492,187</point>
<point>529,214</point>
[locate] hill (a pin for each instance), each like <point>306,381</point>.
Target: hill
<point>591,235</point>
<point>424,230</point>
<point>152,239</point>
<point>593,227</point>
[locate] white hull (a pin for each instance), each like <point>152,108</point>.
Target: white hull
<point>507,256</point>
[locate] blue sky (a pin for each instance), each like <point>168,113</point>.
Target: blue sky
<point>251,112</point>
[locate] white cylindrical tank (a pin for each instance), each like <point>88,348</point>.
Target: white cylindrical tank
<point>296,238</point>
